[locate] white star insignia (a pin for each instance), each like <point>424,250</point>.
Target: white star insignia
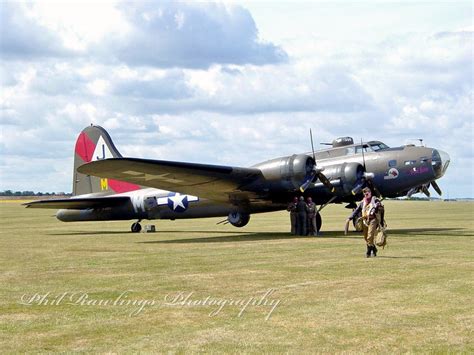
<point>177,201</point>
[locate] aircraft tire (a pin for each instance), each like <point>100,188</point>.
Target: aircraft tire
<point>319,222</point>
<point>136,227</point>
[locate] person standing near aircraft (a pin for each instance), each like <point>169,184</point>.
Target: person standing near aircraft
<point>369,206</point>
<point>292,209</point>
<point>301,217</point>
<point>311,212</point>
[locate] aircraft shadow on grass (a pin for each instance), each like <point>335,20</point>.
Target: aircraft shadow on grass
<point>409,232</point>
<point>90,233</point>
<point>157,232</point>
<point>398,257</point>
<point>242,236</point>
<point>247,237</point>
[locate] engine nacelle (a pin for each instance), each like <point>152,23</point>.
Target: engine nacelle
<point>287,173</point>
<point>348,173</point>
<point>238,219</point>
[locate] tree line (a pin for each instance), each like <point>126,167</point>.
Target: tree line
<point>32,193</point>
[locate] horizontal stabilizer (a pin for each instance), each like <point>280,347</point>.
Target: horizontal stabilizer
<point>79,203</point>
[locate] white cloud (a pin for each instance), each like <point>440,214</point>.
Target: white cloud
<point>154,34</point>
<point>184,34</point>
<point>23,37</point>
<point>99,87</point>
<point>197,82</point>
<point>79,24</point>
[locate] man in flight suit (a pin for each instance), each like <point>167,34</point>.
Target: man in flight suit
<point>301,216</point>
<point>369,207</point>
<point>292,209</point>
<point>311,212</point>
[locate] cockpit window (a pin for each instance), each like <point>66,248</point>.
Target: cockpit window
<point>379,146</point>
<point>351,150</point>
<point>359,149</point>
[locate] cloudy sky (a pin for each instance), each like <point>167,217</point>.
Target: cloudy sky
<point>231,82</point>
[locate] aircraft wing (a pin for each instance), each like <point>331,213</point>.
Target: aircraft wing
<point>79,203</point>
<point>214,182</point>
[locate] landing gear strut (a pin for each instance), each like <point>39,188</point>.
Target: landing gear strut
<point>136,227</point>
<point>319,220</point>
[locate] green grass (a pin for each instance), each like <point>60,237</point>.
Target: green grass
<point>415,297</point>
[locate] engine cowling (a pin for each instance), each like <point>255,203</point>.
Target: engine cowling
<point>349,174</point>
<point>238,219</point>
<point>287,173</point>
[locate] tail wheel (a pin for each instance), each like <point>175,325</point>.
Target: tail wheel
<point>136,227</point>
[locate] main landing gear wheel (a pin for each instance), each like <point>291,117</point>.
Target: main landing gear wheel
<point>319,222</point>
<point>136,227</point>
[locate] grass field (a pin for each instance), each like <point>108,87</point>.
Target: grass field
<point>416,296</point>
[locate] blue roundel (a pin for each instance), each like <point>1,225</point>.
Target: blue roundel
<point>177,202</point>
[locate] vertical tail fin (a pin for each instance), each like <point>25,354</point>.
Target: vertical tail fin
<point>94,143</point>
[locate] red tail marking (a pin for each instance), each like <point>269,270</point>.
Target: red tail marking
<point>122,186</point>
<point>84,147</point>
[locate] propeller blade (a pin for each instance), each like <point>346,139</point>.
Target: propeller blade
<point>312,145</point>
<point>326,182</point>
<point>412,191</point>
<point>305,185</point>
<point>436,187</point>
<point>357,188</point>
<point>424,189</point>
<point>362,150</point>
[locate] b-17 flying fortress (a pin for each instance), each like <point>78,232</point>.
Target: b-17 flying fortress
<point>107,186</point>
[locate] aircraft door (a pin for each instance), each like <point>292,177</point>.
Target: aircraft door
<point>151,206</point>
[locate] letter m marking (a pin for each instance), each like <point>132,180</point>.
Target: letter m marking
<point>104,184</point>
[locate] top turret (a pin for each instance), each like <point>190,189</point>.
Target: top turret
<point>342,141</point>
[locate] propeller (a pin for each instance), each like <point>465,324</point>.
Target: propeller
<point>316,172</point>
<point>424,188</point>
<point>364,178</point>
<point>421,188</point>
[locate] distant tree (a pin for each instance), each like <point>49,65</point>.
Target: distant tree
<point>32,193</point>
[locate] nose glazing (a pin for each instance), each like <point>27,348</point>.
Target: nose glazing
<point>440,161</point>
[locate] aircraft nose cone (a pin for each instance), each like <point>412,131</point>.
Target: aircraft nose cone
<point>445,159</point>
<point>440,162</point>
